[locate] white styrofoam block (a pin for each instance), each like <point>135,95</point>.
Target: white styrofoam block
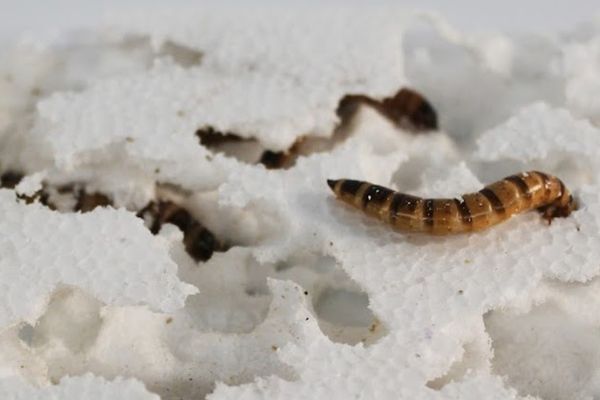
<point>278,76</point>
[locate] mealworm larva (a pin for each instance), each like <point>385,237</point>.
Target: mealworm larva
<point>475,211</point>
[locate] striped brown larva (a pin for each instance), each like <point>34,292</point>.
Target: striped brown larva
<point>475,211</point>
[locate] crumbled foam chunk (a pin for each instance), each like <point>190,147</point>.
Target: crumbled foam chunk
<point>107,252</point>
<point>71,388</point>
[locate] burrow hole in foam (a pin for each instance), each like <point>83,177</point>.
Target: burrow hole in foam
<point>340,305</point>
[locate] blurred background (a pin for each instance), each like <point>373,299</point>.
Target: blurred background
<point>540,16</point>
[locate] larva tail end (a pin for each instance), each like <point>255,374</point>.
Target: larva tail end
<point>332,183</point>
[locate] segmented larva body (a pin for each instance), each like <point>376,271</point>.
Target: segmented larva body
<point>475,211</point>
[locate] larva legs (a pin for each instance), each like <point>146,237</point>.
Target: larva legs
<point>475,211</point>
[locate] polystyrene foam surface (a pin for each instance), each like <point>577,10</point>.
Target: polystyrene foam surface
<point>290,88</point>
<point>537,132</point>
<point>108,252</point>
<point>86,386</point>
<point>434,301</point>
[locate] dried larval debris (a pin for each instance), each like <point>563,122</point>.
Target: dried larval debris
<point>491,205</point>
<point>407,109</point>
